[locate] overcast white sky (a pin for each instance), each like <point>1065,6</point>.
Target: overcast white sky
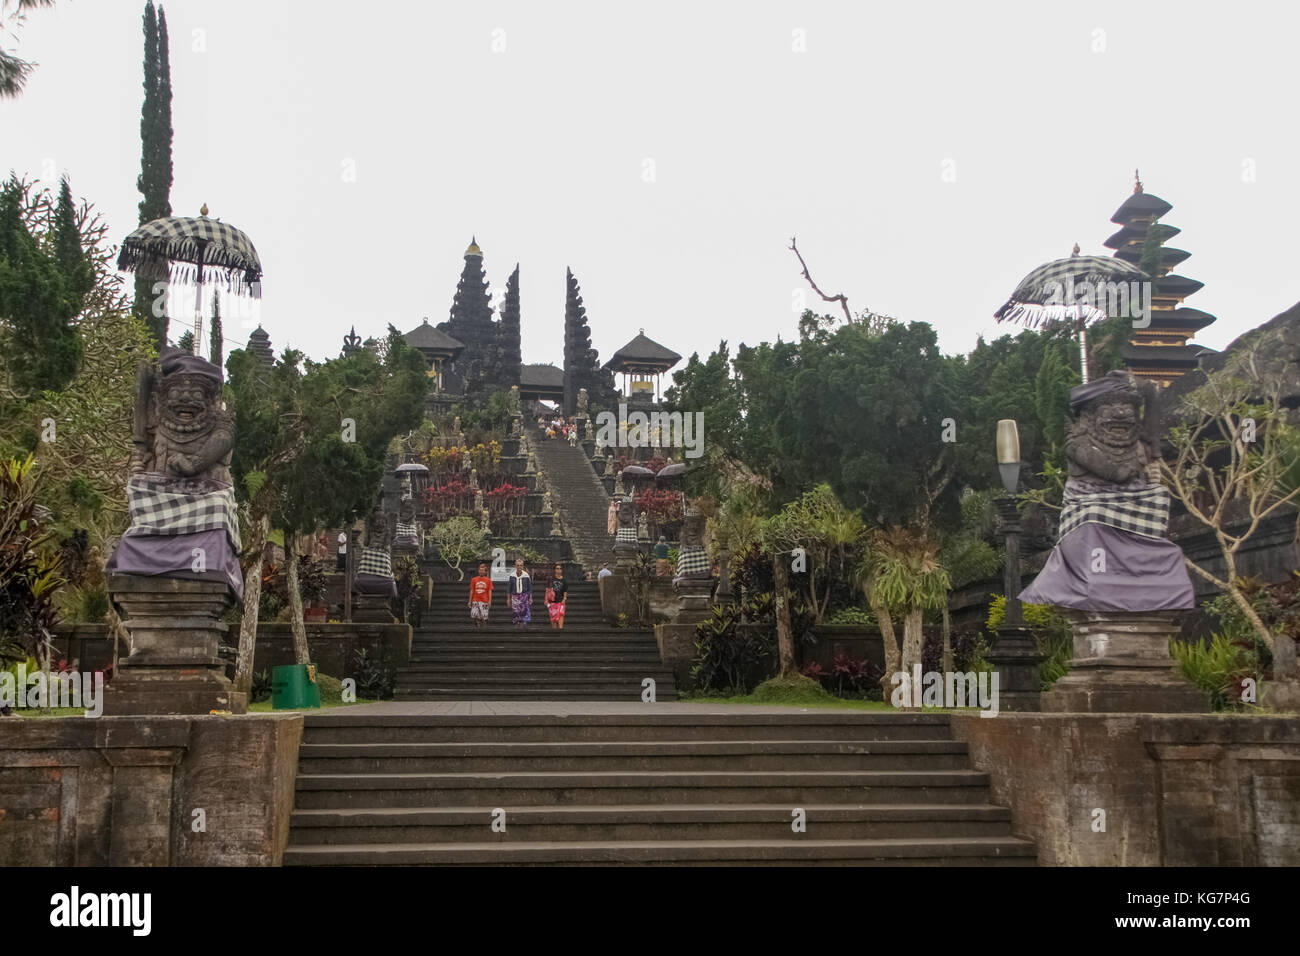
<point>927,155</point>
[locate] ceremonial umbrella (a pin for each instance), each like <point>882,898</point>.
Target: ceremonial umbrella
<point>1074,289</point>
<point>181,248</point>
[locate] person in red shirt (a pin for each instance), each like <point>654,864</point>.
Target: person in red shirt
<point>480,596</point>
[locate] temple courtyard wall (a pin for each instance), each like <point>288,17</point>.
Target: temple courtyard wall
<point>332,647</point>
<point>1145,789</point>
<point>147,791</point>
<point>1090,790</point>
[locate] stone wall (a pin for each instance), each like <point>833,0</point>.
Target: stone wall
<point>332,647</point>
<point>123,791</point>
<point>1177,790</point>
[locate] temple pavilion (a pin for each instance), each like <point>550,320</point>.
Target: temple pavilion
<point>1161,350</point>
<point>436,346</point>
<point>641,363</point>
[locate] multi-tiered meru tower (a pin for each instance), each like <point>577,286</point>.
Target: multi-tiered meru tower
<point>1160,351</point>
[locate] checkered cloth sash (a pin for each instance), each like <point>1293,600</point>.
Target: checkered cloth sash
<point>1141,509</point>
<point>407,529</point>
<point>375,561</point>
<point>693,560</point>
<point>163,505</point>
<point>626,535</point>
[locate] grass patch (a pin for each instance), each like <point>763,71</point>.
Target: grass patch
<point>49,712</point>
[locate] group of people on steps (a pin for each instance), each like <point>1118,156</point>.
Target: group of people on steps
<point>519,588</point>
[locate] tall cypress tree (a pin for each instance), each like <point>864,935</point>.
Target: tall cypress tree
<point>68,252</point>
<point>38,300</point>
<point>215,341</point>
<point>511,355</point>
<point>155,179</point>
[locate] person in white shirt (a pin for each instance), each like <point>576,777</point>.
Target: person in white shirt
<point>604,572</point>
<point>342,564</point>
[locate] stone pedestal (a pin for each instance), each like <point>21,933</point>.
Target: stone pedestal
<point>372,608</point>
<point>696,599</point>
<point>1122,665</point>
<point>1015,657</point>
<point>625,554</point>
<point>174,666</point>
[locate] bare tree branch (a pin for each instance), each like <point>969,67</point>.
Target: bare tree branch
<point>842,299</point>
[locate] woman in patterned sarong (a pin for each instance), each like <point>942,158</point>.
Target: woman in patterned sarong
<point>556,595</point>
<point>521,595</point>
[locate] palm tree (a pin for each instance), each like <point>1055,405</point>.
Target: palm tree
<point>902,574</point>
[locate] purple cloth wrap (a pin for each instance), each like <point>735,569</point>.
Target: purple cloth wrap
<point>1142,573</point>
<point>172,556</point>
<point>374,584</point>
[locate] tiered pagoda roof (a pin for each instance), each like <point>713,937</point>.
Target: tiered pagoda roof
<point>1160,351</point>
<point>259,343</point>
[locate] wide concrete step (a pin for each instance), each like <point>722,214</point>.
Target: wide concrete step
<point>321,791</point>
<point>720,755</point>
<point>971,851</point>
<point>405,825</point>
<point>506,669</point>
<point>559,693</point>
<point>568,657</point>
<point>641,726</point>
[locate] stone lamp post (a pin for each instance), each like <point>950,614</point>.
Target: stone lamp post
<point>1015,652</point>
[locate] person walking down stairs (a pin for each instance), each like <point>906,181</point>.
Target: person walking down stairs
<point>556,595</point>
<point>521,595</point>
<point>480,596</point>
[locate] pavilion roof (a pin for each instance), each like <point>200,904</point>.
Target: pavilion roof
<point>643,353</point>
<point>430,338</point>
<point>541,376</point>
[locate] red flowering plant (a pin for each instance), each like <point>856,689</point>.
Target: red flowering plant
<point>507,497</point>
<point>659,505</point>
<point>451,496</point>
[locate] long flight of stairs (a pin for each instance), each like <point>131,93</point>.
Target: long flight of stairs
<point>588,660</point>
<point>581,499</point>
<point>643,788</point>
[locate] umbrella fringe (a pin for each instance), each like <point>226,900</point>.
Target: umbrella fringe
<point>1035,316</point>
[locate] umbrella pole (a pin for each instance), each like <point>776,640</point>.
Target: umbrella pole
<point>1083,351</point>
<point>198,307</point>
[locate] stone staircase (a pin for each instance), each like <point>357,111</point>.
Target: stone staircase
<point>588,660</point>
<point>642,786</point>
<point>579,497</point>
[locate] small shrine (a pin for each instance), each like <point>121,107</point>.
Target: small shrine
<point>641,363</point>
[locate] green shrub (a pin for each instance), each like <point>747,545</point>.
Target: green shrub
<point>331,689</point>
<point>855,616</point>
<point>1051,632</point>
<point>260,689</point>
<point>375,678</point>
<point>791,689</point>
<point>729,658</point>
<point>1218,667</point>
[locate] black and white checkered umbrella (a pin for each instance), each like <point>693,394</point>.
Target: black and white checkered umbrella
<point>1079,290</point>
<point>189,249</point>
<point>1058,286</point>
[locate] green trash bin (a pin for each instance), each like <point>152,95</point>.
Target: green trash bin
<point>294,686</point>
